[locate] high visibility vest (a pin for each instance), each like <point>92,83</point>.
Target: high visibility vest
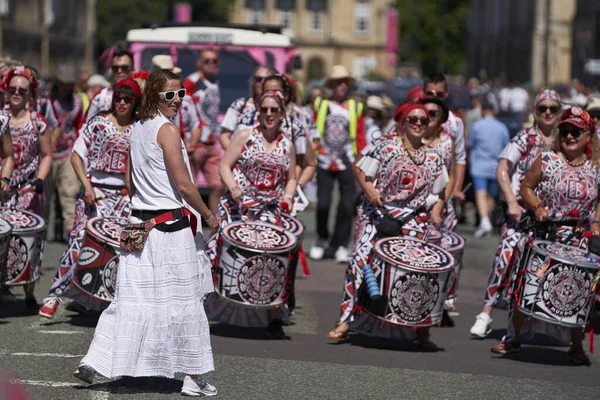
<point>355,109</point>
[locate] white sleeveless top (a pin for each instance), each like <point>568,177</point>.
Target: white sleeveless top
<point>154,187</point>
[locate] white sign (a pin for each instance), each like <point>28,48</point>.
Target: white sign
<point>592,67</point>
<point>210,38</point>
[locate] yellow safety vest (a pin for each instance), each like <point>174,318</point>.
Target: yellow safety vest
<point>355,109</point>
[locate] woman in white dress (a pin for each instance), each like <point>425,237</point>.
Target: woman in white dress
<point>156,325</point>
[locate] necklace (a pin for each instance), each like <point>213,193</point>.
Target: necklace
<point>574,165</point>
<point>417,156</point>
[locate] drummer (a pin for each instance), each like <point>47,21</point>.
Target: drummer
<point>377,170</point>
<point>514,162</point>
<point>252,195</point>
<point>32,146</point>
<point>99,159</point>
<point>560,215</point>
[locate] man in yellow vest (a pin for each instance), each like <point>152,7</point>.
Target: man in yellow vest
<point>340,122</point>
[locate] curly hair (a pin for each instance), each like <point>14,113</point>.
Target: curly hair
<point>150,98</point>
<point>285,85</point>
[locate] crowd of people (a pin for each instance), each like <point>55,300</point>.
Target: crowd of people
<point>130,154</point>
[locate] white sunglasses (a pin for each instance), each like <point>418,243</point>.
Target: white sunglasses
<point>170,95</point>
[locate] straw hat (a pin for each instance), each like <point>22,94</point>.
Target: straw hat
<point>163,61</point>
<point>594,104</point>
<point>98,80</point>
<point>339,72</point>
<point>375,103</point>
<point>66,74</point>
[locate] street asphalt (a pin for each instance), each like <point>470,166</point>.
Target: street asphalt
<point>41,355</point>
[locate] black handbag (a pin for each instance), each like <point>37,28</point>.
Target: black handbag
<point>389,226</point>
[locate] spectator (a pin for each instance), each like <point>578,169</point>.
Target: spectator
<point>474,113</point>
<point>593,109</point>
<point>578,96</point>
<point>519,99</point>
<point>486,141</point>
<point>375,120</point>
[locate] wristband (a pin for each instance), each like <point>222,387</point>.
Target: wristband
<point>287,196</point>
<point>5,179</point>
<point>595,222</point>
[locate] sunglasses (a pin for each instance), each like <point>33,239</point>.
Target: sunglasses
<point>435,93</point>
<point>274,110</point>
<point>126,99</point>
<point>14,89</point>
<point>433,113</point>
<point>208,61</point>
<point>412,120</point>
<point>170,95</point>
<point>543,109</point>
<point>124,68</point>
<point>258,79</point>
<point>575,133</point>
<point>595,115</point>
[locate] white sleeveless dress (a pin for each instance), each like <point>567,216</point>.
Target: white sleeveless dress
<point>156,325</point>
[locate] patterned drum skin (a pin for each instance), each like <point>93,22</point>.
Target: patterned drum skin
<point>429,235</point>
<point>26,247</point>
<point>413,277</point>
<point>96,271</point>
<point>253,263</point>
<point>5,234</point>
<point>557,283</point>
<point>293,226</point>
<point>455,245</point>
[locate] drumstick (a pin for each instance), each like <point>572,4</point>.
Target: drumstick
<point>467,187</point>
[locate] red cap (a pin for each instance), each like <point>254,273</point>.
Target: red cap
<point>403,111</point>
<point>130,83</point>
<point>415,94</point>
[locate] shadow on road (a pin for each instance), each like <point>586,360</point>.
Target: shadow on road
<point>369,342</point>
<point>135,386</point>
<point>541,355</point>
<point>237,332</point>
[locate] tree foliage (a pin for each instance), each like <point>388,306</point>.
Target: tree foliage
<point>433,34</point>
<point>116,17</point>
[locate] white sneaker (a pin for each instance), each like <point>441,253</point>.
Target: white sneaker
<point>341,255</point>
<point>318,250</point>
<point>85,373</point>
<point>197,387</point>
<point>483,231</point>
<point>482,326</point>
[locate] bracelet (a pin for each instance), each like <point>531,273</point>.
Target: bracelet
<point>209,218</point>
<point>5,179</point>
<point>287,196</point>
<point>595,222</point>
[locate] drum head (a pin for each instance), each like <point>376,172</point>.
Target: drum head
<point>292,225</point>
<point>433,235</point>
<point>414,254</point>
<point>452,241</point>
<point>106,229</point>
<point>22,221</point>
<point>5,228</point>
<point>259,236</point>
<point>566,254</point>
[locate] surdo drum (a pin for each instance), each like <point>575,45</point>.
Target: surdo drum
<point>556,283</point>
<point>96,271</point>
<point>26,246</point>
<point>253,264</point>
<point>455,245</point>
<point>5,235</point>
<point>413,277</point>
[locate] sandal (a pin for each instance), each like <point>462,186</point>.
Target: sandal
<point>506,348</point>
<point>578,357</point>
<point>338,335</point>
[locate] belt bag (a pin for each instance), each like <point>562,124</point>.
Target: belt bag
<point>389,226</point>
<point>133,237</point>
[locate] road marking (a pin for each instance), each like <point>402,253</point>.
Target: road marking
<point>56,355</point>
<point>44,383</point>
<point>56,332</point>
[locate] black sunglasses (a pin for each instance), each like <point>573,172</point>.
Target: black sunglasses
<point>124,68</point>
<point>274,110</point>
<point>14,89</point>
<point>542,109</point>
<point>412,120</point>
<point>211,61</point>
<point>433,113</point>
<point>575,132</point>
<point>435,93</point>
<point>127,99</point>
<point>258,79</point>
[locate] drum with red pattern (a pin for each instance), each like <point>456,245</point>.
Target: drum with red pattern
<point>455,245</point>
<point>413,278</point>
<point>557,283</point>
<point>430,234</point>
<point>96,271</point>
<point>5,234</point>
<point>26,247</point>
<point>253,262</point>
<point>293,226</point>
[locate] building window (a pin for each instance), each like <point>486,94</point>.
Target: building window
<point>316,21</point>
<point>285,19</point>
<point>315,69</point>
<point>362,15</point>
<point>256,17</point>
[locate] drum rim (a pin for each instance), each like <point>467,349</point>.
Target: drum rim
<point>97,235</point>
<point>41,226</point>
<point>460,246</point>
<point>299,225</point>
<point>282,249</point>
<point>562,259</point>
<point>386,258</point>
<point>10,228</point>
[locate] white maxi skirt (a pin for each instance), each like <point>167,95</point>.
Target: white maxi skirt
<point>156,324</point>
